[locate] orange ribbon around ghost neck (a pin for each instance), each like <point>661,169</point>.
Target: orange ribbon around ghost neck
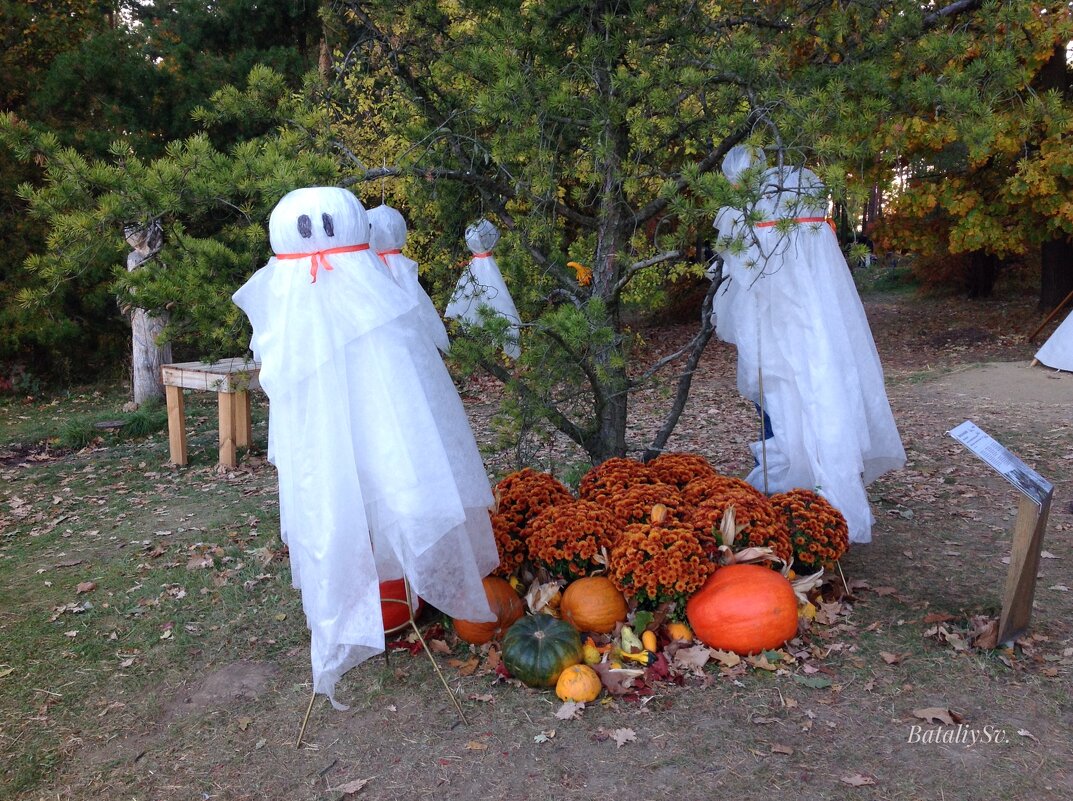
<point>392,252</point>
<point>320,257</point>
<point>828,220</point>
<point>484,255</point>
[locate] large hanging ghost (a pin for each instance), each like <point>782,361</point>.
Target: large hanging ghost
<point>734,307</point>
<point>822,381</point>
<point>482,285</point>
<point>387,239</point>
<point>379,473</point>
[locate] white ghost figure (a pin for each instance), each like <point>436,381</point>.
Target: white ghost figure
<point>379,473</point>
<point>388,238</point>
<point>803,330</point>
<point>481,284</point>
<point>734,307</point>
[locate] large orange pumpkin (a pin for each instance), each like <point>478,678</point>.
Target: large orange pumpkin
<point>594,604</point>
<point>506,605</point>
<point>745,609</point>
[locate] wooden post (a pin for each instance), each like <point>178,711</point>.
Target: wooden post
<point>1024,565</point>
<point>226,404</point>
<point>176,424</point>
<point>243,424</point>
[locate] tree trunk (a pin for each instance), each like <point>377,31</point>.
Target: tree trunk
<point>982,273</point>
<point>148,356</point>
<point>1056,272</point>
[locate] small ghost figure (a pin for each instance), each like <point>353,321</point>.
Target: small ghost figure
<point>379,473</point>
<point>482,284</point>
<point>387,239</point>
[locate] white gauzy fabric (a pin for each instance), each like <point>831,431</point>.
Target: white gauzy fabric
<point>379,473</point>
<point>388,238</point>
<point>1057,351</point>
<point>481,284</point>
<point>822,378</point>
<point>734,307</point>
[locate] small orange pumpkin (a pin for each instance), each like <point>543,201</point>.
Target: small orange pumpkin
<point>578,683</point>
<point>593,603</point>
<point>506,605</point>
<point>745,609</point>
<point>679,631</point>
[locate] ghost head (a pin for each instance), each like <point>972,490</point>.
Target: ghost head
<point>389,229</point>
<point>317,218</point>
<point>739,159</point>
<point>482,236</point>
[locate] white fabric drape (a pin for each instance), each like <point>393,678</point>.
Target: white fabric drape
<point>482,285</point>
<point>822,379</point>
<point>388,238</point>
<point>379,473</point>
<point>1057,351</point>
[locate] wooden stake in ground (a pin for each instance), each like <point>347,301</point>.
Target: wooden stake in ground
<point>1024,565</point>
<point>1032,511</point>
<point>1050,317</point>
<point>424,645</point>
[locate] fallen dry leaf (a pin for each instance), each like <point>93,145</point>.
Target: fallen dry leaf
<point>693,658</point>
<point>938,714</point>
<point>725,658</point>
<point>781,749</point>
<point>623,736</point>
<point>476,745</point>
<point>857,780</point>
<point>891,659</point>
<point>351,787</point>
<point>570,710</point>
<point>438,647</point>
<point>85,586</point>
<point>465,668</point>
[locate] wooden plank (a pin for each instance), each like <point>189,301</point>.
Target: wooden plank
<point>227,375</point>
<point>176,424</point>
<point>226,405</point>
<point>243,424</point>
<point>1024,565</point>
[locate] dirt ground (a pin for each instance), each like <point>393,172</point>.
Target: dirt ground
<point>220,721</point>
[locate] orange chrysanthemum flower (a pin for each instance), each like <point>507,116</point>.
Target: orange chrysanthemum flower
<point>520,497</point>
<point>652,564</point>
<point>611,476</point>
<point>757,521</point>
<point>708,488</point>
<point>819,532</point>
<point>680,469</point>
<point>568,538</point>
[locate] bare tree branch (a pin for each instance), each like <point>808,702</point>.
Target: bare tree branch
<point>685,379</point>
<point>556,417</point>
<point>933,19</point>
<point>636,267</point>
<point>706,164</point>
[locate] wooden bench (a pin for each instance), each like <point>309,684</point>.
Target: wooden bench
<point>231,380</point>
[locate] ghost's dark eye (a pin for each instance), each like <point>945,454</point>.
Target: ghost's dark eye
<point>305,226</point>
<point>329,228</point>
